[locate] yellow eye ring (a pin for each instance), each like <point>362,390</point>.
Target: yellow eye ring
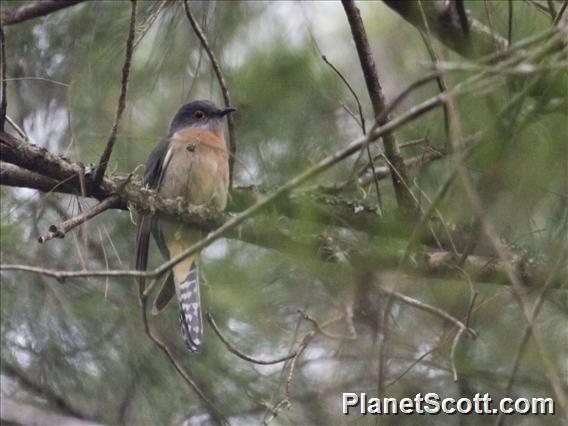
<point>199,115</point>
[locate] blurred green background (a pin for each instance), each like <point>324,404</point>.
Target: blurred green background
<point>83,339</point>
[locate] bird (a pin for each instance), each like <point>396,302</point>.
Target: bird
<point>190,164</point>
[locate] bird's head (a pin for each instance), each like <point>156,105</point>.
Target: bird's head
<point>201,114</point>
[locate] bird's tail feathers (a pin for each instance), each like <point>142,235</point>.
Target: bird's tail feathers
<point>190,309</point>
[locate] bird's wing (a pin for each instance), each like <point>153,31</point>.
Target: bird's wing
<point>152,177</point>
<point>167,289</point>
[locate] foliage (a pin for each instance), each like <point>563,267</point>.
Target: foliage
<point>83,339</point>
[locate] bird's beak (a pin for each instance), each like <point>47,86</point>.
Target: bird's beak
<point>226,111</point>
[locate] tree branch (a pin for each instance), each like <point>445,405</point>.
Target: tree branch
<point>241,355</point>
<point>59,231</point>
<point>217,415</point>
<point>105,157</point>
<point>396,163</point>
<point>430,309</point>
<point>3,94</point>
<point>222,84</point>
<point>33,10</point>
<point>11,175</point>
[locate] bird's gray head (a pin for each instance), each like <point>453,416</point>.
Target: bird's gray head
<point>201,114</point>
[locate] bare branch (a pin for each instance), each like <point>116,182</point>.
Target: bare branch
<point>33,10</point>
<point>364,129</point>
<point>430,309</point>
<point>241,355</point>
<point>428,156</point>
<point>320,328</point>
<point>222,85</point>
<point>59,231</point>
<point>147,24</point>
<point>285,402</point>
<point>560,13</point>
<point>105,157</point>
<point>3,93</point>
<point>11,175</point>
<point>342,77</point>
<point>38,159</point>
<point>368,66</point>
<point>178,367</point>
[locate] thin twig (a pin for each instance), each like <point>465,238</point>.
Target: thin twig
<point>241,355</point>
<point>364,129</point>
<point>105,157</point>
<point>3,94</point>
<point>430,309</point>
<point>222,85</point>
<point>285,402</point>
<point>17,128</point>
<point>350,88</point>
<point>542,9</point>
<point>384,346</point>
<point>32,10</point>
<point>179,368</point>
<point>368,66</point>
<point>552,9</point>
<point>490,24</point>
<point>148,22</point>
<point>59,231</point>
<point>410,367</point>
<point>442,86</point>
<point>453,353</point>
<point>560,13</point>
<point>458,336</point>
<point>321,328</point>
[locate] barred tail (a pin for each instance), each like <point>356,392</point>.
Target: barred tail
<point>190,309</point>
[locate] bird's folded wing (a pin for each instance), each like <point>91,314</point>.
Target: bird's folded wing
<point>152,177</point>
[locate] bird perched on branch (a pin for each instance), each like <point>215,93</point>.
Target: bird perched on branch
<point>190,164</point>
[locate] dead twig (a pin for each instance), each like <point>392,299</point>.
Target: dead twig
<point>364,129</point>
<point>285,402</point>
<point>178,367</point>
<point>148,22</point>
<point>392,152</point>
<point>458,335</point>
<point>33,10</point>
<point>241,355</point>
<point>222,84</point>
<point>105,157</point>
<point>59,231</point>
<point>3,94</point>
<point>320,328</point>
<point>430,309</point>
<point>560,13</point>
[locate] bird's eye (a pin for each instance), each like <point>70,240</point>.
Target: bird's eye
<point>199,115</point>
